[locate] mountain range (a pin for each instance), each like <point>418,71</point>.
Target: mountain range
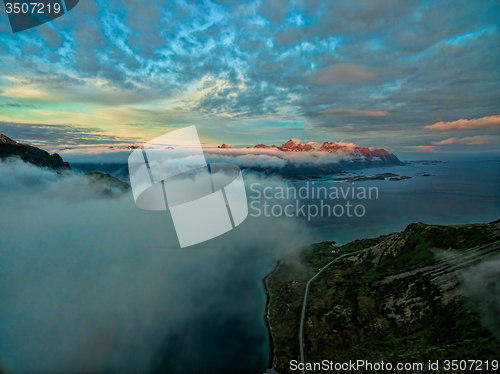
<point>305,161</point>
<point>330,147</point>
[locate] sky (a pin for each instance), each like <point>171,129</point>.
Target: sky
<point>407,76</point>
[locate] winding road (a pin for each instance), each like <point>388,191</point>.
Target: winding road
<point>305,302</point>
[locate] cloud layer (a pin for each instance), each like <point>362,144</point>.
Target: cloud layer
<point>466,123</point>
<point>471,140</point>
<point>90,284</point>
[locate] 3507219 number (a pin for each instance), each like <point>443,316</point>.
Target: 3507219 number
<point>469,365</point>
<point>32,8</point>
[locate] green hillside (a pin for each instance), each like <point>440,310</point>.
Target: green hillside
<point>423,294</point>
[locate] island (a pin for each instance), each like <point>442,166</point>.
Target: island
<point>313,161</point>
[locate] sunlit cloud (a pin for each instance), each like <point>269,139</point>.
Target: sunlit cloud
<point>467,123</point>
<point>25,93</point>
<point>351,112</point>
<point>345,74</point>
<point>471,140</point>
<point>421,148</point>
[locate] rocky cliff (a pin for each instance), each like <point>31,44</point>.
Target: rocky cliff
<point>103,184</point>
<point>30,154</point>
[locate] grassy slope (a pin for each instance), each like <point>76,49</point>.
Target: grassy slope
<point>396,300</point>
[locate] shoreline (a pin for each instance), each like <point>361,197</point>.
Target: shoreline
<point>270,360</point>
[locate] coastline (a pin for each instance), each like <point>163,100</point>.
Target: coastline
<point>270,360</point>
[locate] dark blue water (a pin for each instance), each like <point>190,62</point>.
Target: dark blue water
<point>454,193</point>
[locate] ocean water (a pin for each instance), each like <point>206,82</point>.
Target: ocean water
<point>453,193</point>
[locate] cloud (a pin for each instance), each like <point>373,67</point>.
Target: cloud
<point>17,105</point>
<point>471,140</point>
<point>347,144</point>
<point>345,74</point>
<point>50,136</point>
<point>422,148</point>
<point>330,66</point>
<point>481,284</point>
<point>268,161</point>
<point>467,123</point>
<point>102,286</point>
<point>272,161</point>
<point>351,112</point>
<point>25,93</point>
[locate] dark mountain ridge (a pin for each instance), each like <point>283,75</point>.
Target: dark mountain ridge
<point>105,185</point>
<point>30,154</point>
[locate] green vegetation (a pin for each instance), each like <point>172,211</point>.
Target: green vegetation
<point>399,300</point>
<point>287,287</point>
